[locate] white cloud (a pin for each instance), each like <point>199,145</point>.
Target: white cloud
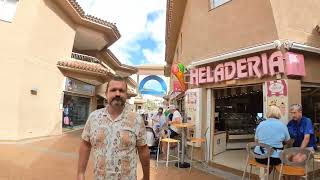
<point>157,32</point>
<point>131,19</point>
<point>154,56</point>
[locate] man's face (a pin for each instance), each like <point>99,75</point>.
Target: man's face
<point>117,93</point>
<point>160,111</point>
<point>296,115</point>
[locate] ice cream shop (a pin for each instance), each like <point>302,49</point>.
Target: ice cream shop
<point>231,96</point>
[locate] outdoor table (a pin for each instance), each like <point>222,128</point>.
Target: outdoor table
<point>183,126</point>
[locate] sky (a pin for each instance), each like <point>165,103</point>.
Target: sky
<point>141,24</point>
<point>142,27</point>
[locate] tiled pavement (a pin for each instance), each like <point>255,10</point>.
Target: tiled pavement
<point>56,158</point>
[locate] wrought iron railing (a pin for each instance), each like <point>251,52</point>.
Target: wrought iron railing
<point>83,57</point>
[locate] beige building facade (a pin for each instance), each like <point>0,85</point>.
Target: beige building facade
<point>239,56</point>
<point>50,50</point>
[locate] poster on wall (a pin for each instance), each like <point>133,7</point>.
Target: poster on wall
<point>277,95</point>
<point>192,110</point>
<point>177,86</point>
<point>75,86</point>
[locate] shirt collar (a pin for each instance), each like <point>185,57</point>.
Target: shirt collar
<point>106,113</point>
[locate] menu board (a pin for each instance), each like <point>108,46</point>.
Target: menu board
<point>192,110</point>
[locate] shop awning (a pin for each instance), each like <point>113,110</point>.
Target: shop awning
<point>176,95</point>
<point>131,93</point>
<point>83,66</point>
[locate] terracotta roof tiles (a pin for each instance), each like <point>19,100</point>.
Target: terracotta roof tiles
<point>83,65</point>
<point>91,18</point>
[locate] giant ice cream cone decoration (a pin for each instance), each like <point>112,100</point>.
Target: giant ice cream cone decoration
<point>178,71</point>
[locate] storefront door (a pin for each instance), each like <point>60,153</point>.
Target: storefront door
<point>78,108</point>
<point>310,96</point>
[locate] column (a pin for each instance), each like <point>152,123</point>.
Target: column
<point>209,124</point>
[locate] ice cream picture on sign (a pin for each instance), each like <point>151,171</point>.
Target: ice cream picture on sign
<point>276,88</point>
<point>178,71</point>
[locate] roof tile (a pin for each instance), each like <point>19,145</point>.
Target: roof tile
<point>83,65</point>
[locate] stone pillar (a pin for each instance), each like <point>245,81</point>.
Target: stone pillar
<point>93,104</point>
<point>138,84</point>
<point>294,93</point>
<point>210,123</point>
<point>282,93</point>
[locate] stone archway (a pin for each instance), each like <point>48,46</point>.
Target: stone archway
<point>143,90</point>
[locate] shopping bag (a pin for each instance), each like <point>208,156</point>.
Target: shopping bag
<point>66,120</point>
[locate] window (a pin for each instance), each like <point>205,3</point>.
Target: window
<point>7,9</point>
<point>217,3</point>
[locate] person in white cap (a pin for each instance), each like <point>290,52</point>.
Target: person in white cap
<point>176,118</point>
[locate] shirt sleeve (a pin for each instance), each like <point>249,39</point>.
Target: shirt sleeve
<point>140,132</point>
<point>286,133</point>
<point>256,136</point>
<point>86,133</point>
<point>308,129</point>
<point>291,130</point>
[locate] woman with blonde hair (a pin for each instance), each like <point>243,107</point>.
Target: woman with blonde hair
<point>272,132</point>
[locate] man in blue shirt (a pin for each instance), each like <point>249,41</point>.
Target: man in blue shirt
<point>301,129</point>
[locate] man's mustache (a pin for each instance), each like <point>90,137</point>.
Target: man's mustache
<point>118,98</point>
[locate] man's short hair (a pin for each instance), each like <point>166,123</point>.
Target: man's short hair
<point>117,78</point>
<point>297,107</point>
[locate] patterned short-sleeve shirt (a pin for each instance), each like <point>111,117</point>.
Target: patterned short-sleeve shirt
<point>114,143</point>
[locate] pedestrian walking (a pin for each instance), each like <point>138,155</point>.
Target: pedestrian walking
<point>115,135</point>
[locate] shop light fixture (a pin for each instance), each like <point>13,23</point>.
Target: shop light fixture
<point>297,46</point>
<point>254,49</point>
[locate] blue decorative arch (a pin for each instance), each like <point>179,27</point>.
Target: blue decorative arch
<point>142,90</point>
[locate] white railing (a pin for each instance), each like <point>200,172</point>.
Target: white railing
<point>83,57</point>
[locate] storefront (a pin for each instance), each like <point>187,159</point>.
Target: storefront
<point>237,92</point>
<point>77,101</point>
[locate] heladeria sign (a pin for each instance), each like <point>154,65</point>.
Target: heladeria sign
<point>291,64</point>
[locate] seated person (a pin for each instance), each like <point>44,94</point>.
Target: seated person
<point>301,129</point>
<point>158,121</point>
<point>176,118</point>
<point>272,132</point>
<point>173,132</point>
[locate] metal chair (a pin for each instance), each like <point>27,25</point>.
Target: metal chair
<point>251,158</point>
<point>288,167</point>
<point>199,140</point>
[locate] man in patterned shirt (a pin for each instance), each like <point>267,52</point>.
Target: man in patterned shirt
<point>114,134</point>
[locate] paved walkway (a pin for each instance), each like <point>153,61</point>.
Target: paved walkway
<point>56,159</point>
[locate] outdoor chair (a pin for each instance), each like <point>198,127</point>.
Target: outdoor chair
<point>199,140</point>
<point>251,161</point>
<point>290,168</point>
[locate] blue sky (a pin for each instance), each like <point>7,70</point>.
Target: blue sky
<point>142,27</point>
<point>141,24</point>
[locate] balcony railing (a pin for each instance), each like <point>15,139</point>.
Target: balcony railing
<point>83,57</point>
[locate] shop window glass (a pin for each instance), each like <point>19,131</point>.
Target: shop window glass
<point>7,10</point>
<point>217,3</point>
